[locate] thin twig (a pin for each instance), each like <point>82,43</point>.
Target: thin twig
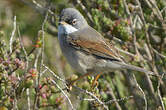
<point>26,69</point>
<point>40,6</point>
<point>118,100</point>
<point>125,52</point>
<point>37,7</point>
<point>158,90</point>
<point>41,62</point>
<point>150,50</point>
<point>110,101</point>
<point>92,95</point>
<point>55,76</point>
<point>15,101</point>
<point>85,10</point>
<point>43,72</point>
<point>82,90</point>
<point>12,35</point>
<point>161,55</point>
<point>43,44</point>
<point>146,104</point>
<point>35,66</point>
<point>33,49</point>
<point>23,48</point>
<point>63,93</point>
<point>131,25</point>
<point>150,46</point>
<point>118,107</point>
<point>28,99</point>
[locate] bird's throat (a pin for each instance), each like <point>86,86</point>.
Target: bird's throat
<point>66,29</point>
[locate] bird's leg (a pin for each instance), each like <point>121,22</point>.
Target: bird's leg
<point>95,80</point>
<point>70,84</point>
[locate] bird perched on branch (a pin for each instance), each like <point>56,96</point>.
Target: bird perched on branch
<point>85,49</point>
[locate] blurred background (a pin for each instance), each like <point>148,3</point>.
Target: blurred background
<point>31,59</point>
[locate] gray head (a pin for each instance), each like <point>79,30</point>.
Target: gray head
<point>73,17</point>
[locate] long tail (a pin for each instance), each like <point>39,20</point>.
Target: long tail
<point>135,68</point>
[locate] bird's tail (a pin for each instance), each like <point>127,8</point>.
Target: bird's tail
<point>135,68</point>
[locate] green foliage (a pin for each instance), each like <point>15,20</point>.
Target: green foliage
<point>21,68</point>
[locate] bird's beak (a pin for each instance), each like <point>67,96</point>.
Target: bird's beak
<point>62,23</point>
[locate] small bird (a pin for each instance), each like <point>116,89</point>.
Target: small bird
<point>85,49</point>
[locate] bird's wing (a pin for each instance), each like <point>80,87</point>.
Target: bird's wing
<point>91,42</point>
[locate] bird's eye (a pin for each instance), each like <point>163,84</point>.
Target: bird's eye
<point>74,21</point>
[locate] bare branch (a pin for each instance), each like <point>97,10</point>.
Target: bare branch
<point>63,93</point>
<point>12,35</point>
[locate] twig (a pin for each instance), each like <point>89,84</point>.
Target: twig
<point>37,4</point>
<point>133,88</point>
<point>37,7</point>
<point>33,49</point>
<point>118,100</point>
<point>111,12</point>
<point>163,9</point>
<point>118,40</point>
<point>26,69</point>
<point>118,107</point>
<point>110,101</point>
<point>41,62</point>
<point>63,93</point>
<point>28,99</point>
<point>131,26</point>
<point>35,66</point>
<point>55,76</point>
<point>146,104</point>
<point>92,95</point>
<point>150,50</point>
<point>85,10</point>
<point>43,72</point>
<point>12,35</point>
<point>37,58</point>
<point>161,55</point>
<point>43,43</point>
<point>40,6</point>
<point>158,90</point>
<point>23,48</point>
<point>86,99</point>
<point>15,101</point>
<point>82,90</point>
<point>12,71</point>
<point>125,52</point>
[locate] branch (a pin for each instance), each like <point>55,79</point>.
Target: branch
<point>12,35</point>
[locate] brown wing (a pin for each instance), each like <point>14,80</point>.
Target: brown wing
<point>97,46</point>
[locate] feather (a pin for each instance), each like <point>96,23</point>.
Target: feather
<point>91,42</point>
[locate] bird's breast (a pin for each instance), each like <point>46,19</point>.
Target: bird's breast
<point>77,59</point>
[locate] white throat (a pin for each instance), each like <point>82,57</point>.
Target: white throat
<point>66,29</point>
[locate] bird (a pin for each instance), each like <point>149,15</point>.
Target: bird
<point>85,49</point>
